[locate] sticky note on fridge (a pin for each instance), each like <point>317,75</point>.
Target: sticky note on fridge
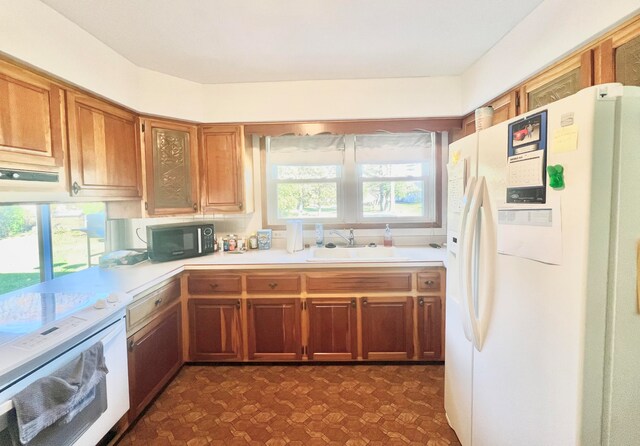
<point>565,139</point>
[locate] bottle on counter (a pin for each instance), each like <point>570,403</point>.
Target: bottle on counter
<point>388,241</point>
<point>319,235</point>
<point>233,242</point>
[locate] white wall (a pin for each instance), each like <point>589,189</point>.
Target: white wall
<point>552,31</point>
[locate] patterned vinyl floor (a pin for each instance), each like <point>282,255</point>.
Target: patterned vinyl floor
<point>298,405</point>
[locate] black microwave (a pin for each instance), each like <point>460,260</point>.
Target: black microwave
<point>179,240</point>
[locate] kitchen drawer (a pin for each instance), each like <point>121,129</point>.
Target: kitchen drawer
<point>430,281</point>
<point>222,284</point>
<point>143,309</point>
<point>274,283</point>
<point>334,283</point>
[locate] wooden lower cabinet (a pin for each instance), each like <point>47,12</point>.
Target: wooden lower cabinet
<point>430,328</point>
<point>215,330</point>
<point>155,355</point>
<point>387,328</point>
<point>333,333</point>
<point>274,328</point>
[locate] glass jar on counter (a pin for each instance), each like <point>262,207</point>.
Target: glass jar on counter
<point>253,241</point>
<point>225,244</point>
<point>233,242</point>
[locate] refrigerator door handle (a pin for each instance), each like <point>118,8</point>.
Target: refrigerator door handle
<point>468,194</point>
<point>468,260</point>
<point>471,232</point>
<point>488,248</point>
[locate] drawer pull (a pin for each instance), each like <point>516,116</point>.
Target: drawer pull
<point>158,301</point>
<point>353,303</point>
<point>213,286</point>
<point>421,302</point>
<point>238,304</point>
<point>429,282</point>
<point>273,285</point>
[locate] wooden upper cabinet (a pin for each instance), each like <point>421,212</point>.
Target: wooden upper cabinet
<point>224,170</point>
<point>559,81</point>
<point>32,122</point>
<point>171,160</point>
<point>103,149</point>
<point>627,62</point>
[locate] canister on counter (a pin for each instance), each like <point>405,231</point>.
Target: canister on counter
<point>225,244</point>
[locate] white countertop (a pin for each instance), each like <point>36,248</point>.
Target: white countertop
<point>137,278</point>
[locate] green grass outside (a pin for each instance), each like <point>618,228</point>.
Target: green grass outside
<point>14,281</point>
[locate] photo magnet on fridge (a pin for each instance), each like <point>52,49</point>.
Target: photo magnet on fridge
<point>527,160</point>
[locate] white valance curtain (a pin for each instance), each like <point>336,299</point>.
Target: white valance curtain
<point>394,148</point>
<point>317,149</point>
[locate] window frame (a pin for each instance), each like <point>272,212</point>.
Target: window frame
<point>350,174</point>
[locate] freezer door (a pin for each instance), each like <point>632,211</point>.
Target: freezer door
<point>458,348</point>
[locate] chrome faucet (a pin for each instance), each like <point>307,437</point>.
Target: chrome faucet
<point>351,240</point>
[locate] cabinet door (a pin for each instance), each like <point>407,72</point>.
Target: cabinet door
<point>155,355</point>
<point>332,329</point>
<point>171,167</point>
<point>32,127</point>
<point>387,328</point>
<point>274,329</point>
<point>214,329</point>
<point>103,149</point>
<point>222,174</point>
<point>430,328</point>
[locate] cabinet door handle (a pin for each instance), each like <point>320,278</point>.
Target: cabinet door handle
<point>248,304</point>
<point>158,301</point>
<point>213,286</point>
<point>195,207</point>
<point>131,345</point>
<point>273,285</point>
<point>364,302</point>
<point>75,187</point>
<point>238,304</point>
<point>429,282</point>
<point>353,303</point>
<point>421,302</point>
<point>240,206</point>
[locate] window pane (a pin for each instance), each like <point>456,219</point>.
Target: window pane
<point>307,200</point>
<point>391,170</point>
<point>306,172</point>
<point>19,239</point>
<point>77,232</point>
<point>395,199</point>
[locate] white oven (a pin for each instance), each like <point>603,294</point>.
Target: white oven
<point>87,429</point>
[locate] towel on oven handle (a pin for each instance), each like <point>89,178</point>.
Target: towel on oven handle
<point>63,394</point>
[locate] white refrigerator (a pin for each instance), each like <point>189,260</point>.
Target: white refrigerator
<point>542,319</point>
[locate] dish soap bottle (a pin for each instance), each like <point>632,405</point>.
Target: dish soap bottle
<point>387,236</point>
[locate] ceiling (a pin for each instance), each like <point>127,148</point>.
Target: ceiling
<point>225,41</point>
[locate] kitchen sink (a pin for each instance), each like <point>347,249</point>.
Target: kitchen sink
<point>355,254</point>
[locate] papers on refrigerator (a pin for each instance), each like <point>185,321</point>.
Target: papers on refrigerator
<point>456,183</point>
<point>531,232</point>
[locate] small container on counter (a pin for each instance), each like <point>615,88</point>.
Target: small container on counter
<point>225,244</point>
<point>233,242</point>
<point>253,241</point>
<point>264,239</point>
